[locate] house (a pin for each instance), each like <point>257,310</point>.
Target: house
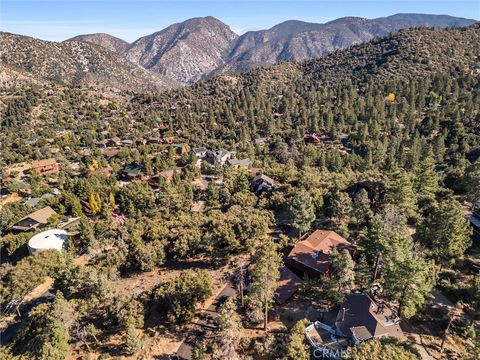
<point>34,221</point>
<point>34,201</point>
<point>375,189</point>
<point>200,152</point>
<point>325,342</point>
<point>287,285</point>
<point>86,152</point>
<point>126,142</point>
<point>242,163</point>
<point>311,255</point>
<point>154,140</point>
<point>106,171</point>
<point>261,142</point>
<point>166,174</point>
<point>111,153</point>
<point>312,139</point>
<point>474,220</point>
<point>180,149</point>
<point>115,141</point>
<point>23,187</point>
<point>261,183</point>
<point>102,143</point>
<point>218,157</point>
<point>70,224</point>
<point>46,166</point>
<point>360,318</point>
<point>132,171</point>
<point>168,139</point>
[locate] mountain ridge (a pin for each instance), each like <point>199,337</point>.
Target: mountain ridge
<point>75,63</point>
<point>107,41</point>
<point>198,48</point>
<point>218,50</point>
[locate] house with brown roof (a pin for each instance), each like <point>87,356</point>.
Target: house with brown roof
<point>360,318</point>
<point>312,139</point>
<point>262,182</point>
<point>35,220</point>
<point>45,166</point>
<point>111,153</point>
<point>240,163</point>
<point>166,174</point>
<point>311,255</point>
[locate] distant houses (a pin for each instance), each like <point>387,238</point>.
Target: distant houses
<point>325,141</point>
<point>180,149</point>
<point>219,157</point>
<point>240,163</point>
<point>200,152</point>
<point>261,183</point>
<point>34,221</point>
<point>46,166</point>
<point>132,171</point>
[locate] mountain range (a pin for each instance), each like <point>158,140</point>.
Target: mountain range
<point>195,49</point>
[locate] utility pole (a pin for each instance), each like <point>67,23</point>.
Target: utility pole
<point>265,328</point>
<point>451,314</point>
<point>241,284</point>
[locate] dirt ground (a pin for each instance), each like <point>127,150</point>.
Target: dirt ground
<point>19,168</point>
<point>159,344</point>
<point>10,198</point>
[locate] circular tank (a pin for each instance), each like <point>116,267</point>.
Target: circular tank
<point>55,239</point>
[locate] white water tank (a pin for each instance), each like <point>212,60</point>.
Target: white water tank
<point>55,239</point>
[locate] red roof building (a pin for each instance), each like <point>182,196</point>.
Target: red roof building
<point>311,255</point>
<point>46,166</point>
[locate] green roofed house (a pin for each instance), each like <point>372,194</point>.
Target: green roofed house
<point>132,171</point>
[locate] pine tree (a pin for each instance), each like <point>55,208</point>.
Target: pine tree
<point>302,212</point>
<point>363,273</point>
<point>132,341</point>
<point>86,234</point>
<point>229,331</point>
<point>213,196</point>
<point>410,281</point>
<point>264,279</point>
<point>376,244</point>
<point>402,194</point>
<point>297,349</point>
<point>361,207</point>
<point>446,231</point>
<point>341,207</point>
<point>426,180</point>
<point>343,269</point>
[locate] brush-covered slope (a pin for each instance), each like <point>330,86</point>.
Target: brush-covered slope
<point>75,63</point>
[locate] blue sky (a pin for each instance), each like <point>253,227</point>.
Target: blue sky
<point>62,19</point>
